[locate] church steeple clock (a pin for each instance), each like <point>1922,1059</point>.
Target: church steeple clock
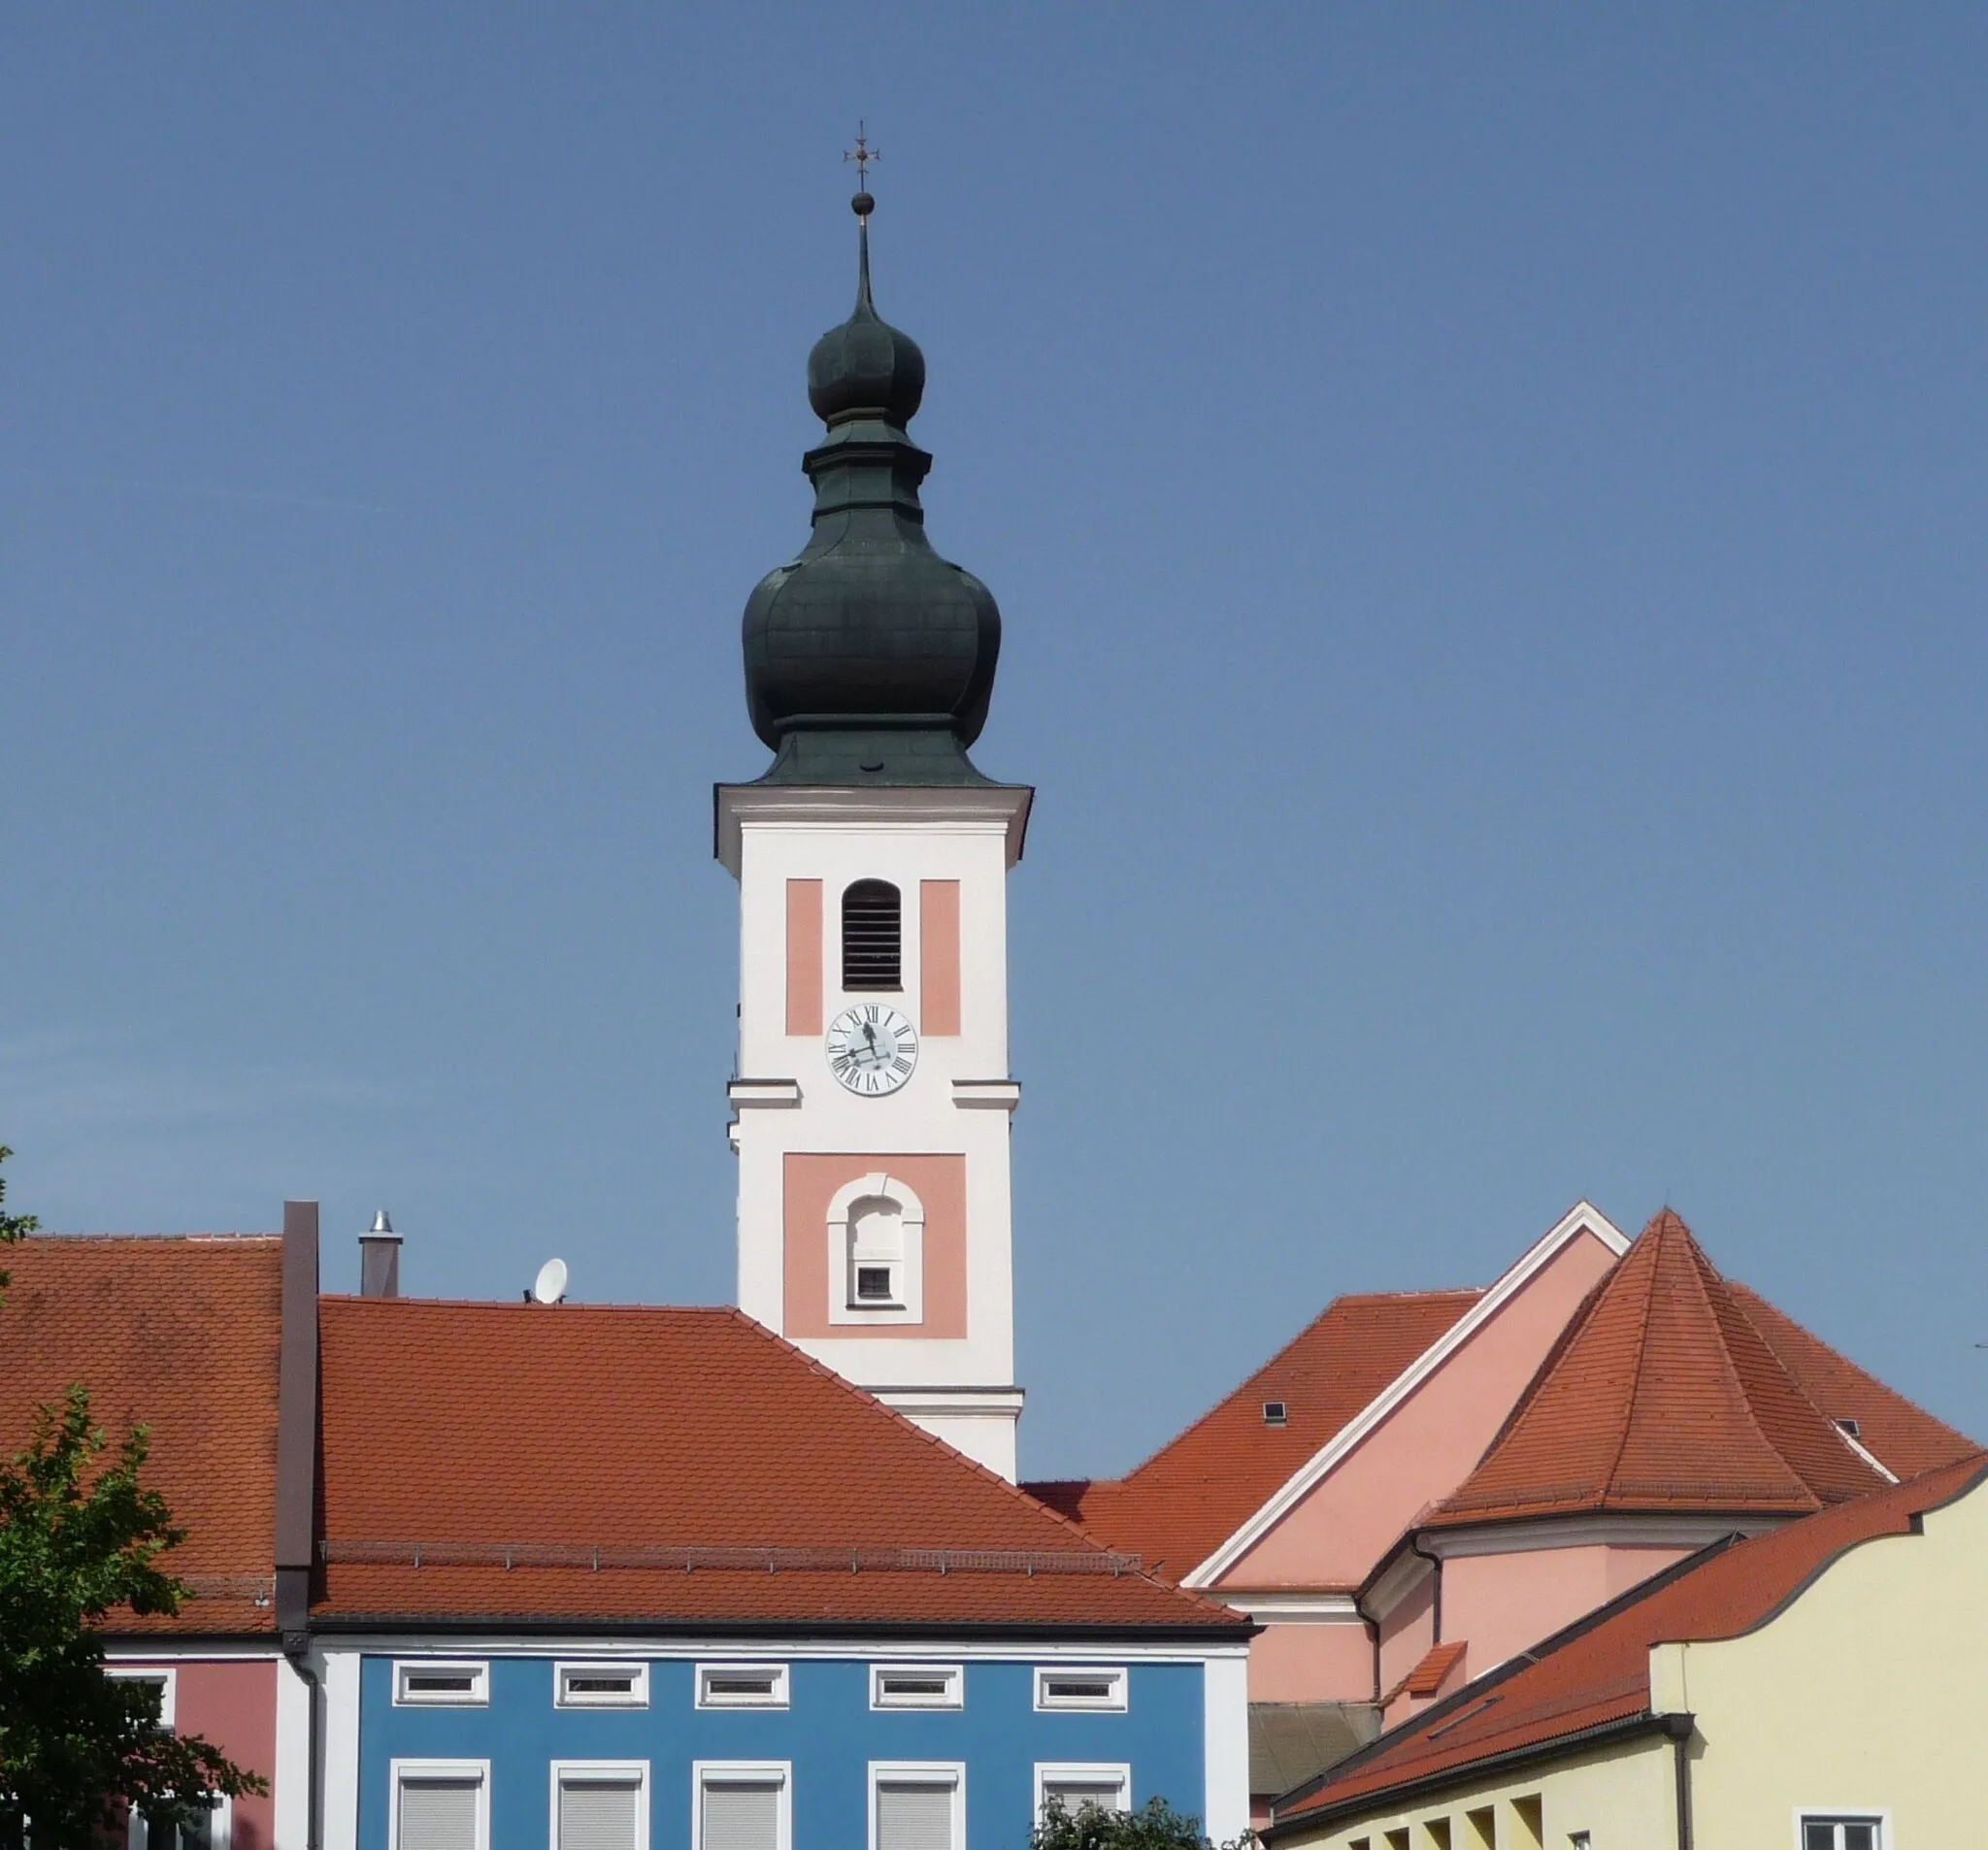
<point>871,1114</point>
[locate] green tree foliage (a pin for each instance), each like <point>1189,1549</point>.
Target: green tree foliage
<point>1157,1826</point>
<point>80,1535</point>
<point>12,1226</point>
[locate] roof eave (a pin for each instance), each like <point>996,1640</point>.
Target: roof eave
<point>538,1625</point>
<point>1390,1798</point>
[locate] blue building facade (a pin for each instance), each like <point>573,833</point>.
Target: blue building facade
<point>818,1747</point>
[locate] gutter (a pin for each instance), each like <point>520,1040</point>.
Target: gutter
<point>654,1624</point>
<point>296,1478</point>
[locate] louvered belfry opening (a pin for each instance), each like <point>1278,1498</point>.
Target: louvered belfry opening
<point>873,936</point>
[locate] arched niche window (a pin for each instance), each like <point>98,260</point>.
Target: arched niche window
<point>873,936</point>
<point>876,1252</point>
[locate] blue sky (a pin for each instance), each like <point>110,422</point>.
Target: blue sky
<point>1487,506</point>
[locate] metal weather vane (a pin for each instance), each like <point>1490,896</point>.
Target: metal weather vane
<point>862,154</point>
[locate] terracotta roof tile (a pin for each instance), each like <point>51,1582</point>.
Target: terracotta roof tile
<point>180,1336</point>
<point>1426,1678</point>
<point>577,1428</point>
<point>1194,1492</point>
<point>1906,1438</point>
<point>1597,1671</point>
<point>1661,1395</point>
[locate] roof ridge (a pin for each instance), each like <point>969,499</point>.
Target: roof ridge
<point>1642,1350</point>
<point>1698,1264</point>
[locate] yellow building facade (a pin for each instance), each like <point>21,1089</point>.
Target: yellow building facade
<point>1849,1715</point>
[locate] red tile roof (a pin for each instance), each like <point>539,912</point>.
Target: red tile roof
<point>1193,1494</point>
<point>1905,1438</point>
<point>180,1336</point>
<point>1437,1663</point>
<point>1662,1394</point>
<point>1596,1672</point>
<point>725,1477</point>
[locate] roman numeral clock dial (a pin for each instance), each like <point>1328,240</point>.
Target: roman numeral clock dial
<point>872,1049</point>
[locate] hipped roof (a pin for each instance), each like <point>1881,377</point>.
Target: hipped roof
<point>670,1467</point>
<point>1664,1395</point>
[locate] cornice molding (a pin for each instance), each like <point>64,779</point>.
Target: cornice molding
<point>1606,1530</point>
<point>974,809</point>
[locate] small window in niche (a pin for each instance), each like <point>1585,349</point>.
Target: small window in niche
<point>873,1284</point>
<point>873,936</point>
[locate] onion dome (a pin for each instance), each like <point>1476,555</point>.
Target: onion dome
<point>868,659</point>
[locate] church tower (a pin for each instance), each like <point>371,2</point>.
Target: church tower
<point>872,1108</point>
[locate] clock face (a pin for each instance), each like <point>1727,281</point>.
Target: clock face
<point>872,1048</point>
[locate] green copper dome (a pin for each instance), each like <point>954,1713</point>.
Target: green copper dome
<point>868,659</point>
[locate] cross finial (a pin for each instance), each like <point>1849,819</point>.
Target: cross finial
<point>862,154</point>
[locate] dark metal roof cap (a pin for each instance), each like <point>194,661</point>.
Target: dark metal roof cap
<point>869,658</point>
<point>865,367</point>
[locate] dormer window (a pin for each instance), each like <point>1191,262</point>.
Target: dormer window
<point>873,936</point>
<point>1275,1414</point>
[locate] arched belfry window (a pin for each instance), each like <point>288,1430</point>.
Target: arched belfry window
<point>873,936</point>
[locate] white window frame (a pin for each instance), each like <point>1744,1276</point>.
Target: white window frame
<point>220,1836</point>
<point>1116,1704</point>
<point>956,1676</point>
<point>778,1773</point>
<point>1878,1815</point>
<point>616,1773</point>
<point>1050,1772</point>
<point>163,1675</point>
<point>782,1686</point>
<point>398,1771</point>
<point>478,1670</point>
<point>637,1696</point>
<point>950,1773</point>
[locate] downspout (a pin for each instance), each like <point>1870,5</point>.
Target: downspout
<point>1680,1727</point>
<point>296,1480</point>
<point>300,1661</point>
<point>1436,1597</point>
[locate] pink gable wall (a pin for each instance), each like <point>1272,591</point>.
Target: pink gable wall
<point>1504,1603</point>
<point>1339,1531</point>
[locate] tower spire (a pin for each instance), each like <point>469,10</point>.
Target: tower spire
<point>863,204</point>
<point>868,659</point>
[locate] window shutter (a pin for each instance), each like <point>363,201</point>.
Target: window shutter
<point>913,1817</point>
<point>597,1814</point>
<point>1076,1794</point>
<point>437,1814</point>
<point>873,936</point>
<point>741,1815</point>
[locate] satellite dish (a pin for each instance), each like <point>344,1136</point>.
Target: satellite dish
<point>549,1286</point>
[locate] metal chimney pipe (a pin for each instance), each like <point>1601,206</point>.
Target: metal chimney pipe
<point>380,1260</point>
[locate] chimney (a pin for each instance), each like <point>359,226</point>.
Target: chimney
<point>380,1260</point>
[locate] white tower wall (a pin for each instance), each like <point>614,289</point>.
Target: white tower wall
<point>937,1149</point>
